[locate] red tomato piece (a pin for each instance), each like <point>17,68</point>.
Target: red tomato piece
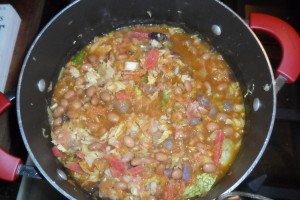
<point>136,170</point>
<point>219,143</point>
<point>122,95</point>
<point>151,58</point>
<point>57,153</point>
<point>116,164</point>
<point>138,35</point>
<point>75,167</point>
<point>79,154</point>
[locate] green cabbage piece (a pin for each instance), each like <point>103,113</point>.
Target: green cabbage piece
<point>227,152</point>
<point>79,57</point>
<point>204,183</point>
<point>165,97</point>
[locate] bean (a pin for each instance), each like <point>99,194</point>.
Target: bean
<point>64,103</point>
<point>194,121</point>
<point>136,161</point>
<point>91,91</point>
<point>103,130</point>
<point>206,56</point>
<point>95,146</point>
<point>160,169</point>
<point>72,114</point>
<point>93,127</point>
<point>187,85</point>
<point>122,106</point>
<point>128,141</point>
<point>152,198</point>
<point>177,174</point>
<point>121,185</point>
<point>76,104</point>
<point>92,59</point>
<point>113,117</point>
<point>209,168</point>
<point>222,86</point>
<point>227,130</point>
<point>86,66</point>
<point>161,156</point>
<point>176,116</point>
<point>128,156</point>
<point>59,111</point>
<point>79,81</point>
<point>222,116</point>
<point>212,126</point>
<point>69,94</point>
<point>57,121</point>
<point>178,90</point>
<point>105,96</point>
<point>94,100</point>
<point>80,91</point>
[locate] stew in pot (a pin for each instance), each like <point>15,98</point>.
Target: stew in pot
<point>147,112</point>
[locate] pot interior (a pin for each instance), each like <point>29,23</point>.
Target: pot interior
<point>79,23</point>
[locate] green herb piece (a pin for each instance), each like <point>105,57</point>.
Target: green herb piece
<point>137,91</point>
<point>166,97</point>
<point>79,57</point>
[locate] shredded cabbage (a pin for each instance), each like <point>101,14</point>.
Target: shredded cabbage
<point>204,183</point>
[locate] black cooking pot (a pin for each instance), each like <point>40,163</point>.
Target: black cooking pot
<point>80,22</point>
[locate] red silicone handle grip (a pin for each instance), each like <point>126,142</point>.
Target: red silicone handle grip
<point>288,39</point>
<point>4,103</point>
<point>8,166</point>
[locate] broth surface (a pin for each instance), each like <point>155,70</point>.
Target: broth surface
<point>147,112</point>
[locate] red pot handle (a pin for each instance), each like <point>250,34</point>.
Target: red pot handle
<point>288,38</point>
<point>8,163</point>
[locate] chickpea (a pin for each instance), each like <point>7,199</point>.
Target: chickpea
<point>161,156</point>
<point>91,91</point>
<point>177,174</point>
<point>113,117</point>
<point>69,94</point>
<point>128,141</point>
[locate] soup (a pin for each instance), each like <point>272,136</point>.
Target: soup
<point>147,112</point>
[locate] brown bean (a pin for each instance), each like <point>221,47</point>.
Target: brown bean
<point>76,104</point>
<point>64,103</point>
<point>221,116</point>
<point>59,111</point>
<point>79,81</point>
<point>160,169</point>
<point>79,91</point>
<point>91,91</point>
<point>212,126</point>
<point>86,66</point>
<point>103,130</point>
<point>178,90</point>
<point>121,185</point>
<point>161,156</point>
<point>209,168</point>
<point>95,146</point>
<point>136,161</point>
<point>105,96</point>
<point>222,86</point>
<point>177,174</point>
<point>177,116</point>
<point>72,114</point>
<point>113,117</point>
<point>187,85</point>
<point>57,121</point>
<point>93,127</point>
<point>94,100</point>
<point>69,94</point>
<point>128,156</point>
<point>92,59</point>
<point>128,141</point>
<point>228,130</point>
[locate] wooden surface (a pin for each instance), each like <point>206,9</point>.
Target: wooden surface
<point>30,12</point>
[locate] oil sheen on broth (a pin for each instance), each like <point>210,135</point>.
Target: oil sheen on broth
<point>147,112</point>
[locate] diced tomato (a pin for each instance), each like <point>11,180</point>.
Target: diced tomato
<point>136,170</point>
<point>75,167</point>
<point>138,35</point>
<point>122,95</point>
<point>151,58</point>
<point>115,173</point>
<point>117,166</point>
<point>57,153</point>
<point>79,154</point>
<point>218,143</point>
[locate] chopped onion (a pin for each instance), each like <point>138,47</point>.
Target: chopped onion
<point>131,66</point>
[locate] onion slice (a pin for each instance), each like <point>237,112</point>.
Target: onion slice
<point>131,66</point>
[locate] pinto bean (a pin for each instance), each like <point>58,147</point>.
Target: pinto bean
<point>92,59</point>
<point>227,130</point>
<point>128,156</point>
<point>113,117</point>
<point>187,86</point>
<point>105,96</point>
<point>161,156</point>
<point>136,161</point>
<point>76,104</point>
<point>79,81</point>
<point>57,121</point>
<point>178,90</point>
<point>69,94</point>
<point>64,103</point>
<point>221,116</point>
<point>93,127</point>
<point>212,126</point>
<point>177,174</point>
<point>222,86</point>
<point>128,141</point>
<point>94,100</point>
<point>160,169</point>
<point>59,111</point>
<point>91,91</point>
<point>209,168</point>
<point>176,116</point>
<point>86,66</point>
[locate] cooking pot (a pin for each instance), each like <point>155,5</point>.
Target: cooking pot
<point>81,21</point>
